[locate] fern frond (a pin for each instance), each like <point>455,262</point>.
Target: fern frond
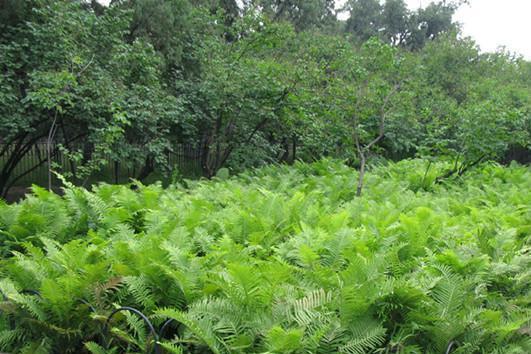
<point>95,348</point>
<point>171,348</point>
<point>364,339</point>
<point>10,338</point>
<point>303,309</point>
<point>449,292</point>
<point>136,325</point>
<point>42,346</point>
<point>141,291</point>
<point>32,305</point>
<point>203,332</point>
<point>102,289</point>
<point>332,339</point>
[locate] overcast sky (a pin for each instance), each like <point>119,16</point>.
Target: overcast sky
<point>492,23</point>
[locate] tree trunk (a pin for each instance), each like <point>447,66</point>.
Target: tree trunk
<point>146,170</point>
<point>293,151</point>
<point>362,174</point>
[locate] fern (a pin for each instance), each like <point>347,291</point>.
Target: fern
<point>278,260</point>
<point>172,348</point>
<point>332,339</point>
<point>139,288</point>
<point>95,348</point>
<point>11,338</point>
<point>202,331</point>
<point>103,289</point>
<point>284,341</point>
<point>449,293</point>
<point>304,309</point>
<point>365,337</point>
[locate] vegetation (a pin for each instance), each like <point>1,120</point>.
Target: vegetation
<point>281,260</point>
<point>366,212</point>
<point>263,82</point>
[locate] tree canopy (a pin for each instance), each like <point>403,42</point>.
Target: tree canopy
<point>252,82</point>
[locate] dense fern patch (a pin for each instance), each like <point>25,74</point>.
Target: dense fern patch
<point>279,260</point>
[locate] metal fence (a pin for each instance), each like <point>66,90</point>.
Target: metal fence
<point>185,158</point>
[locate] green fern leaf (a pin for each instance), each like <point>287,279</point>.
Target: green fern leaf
<point>365,338</point>
<point>199,329</point>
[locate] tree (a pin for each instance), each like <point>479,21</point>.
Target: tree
<point>365,18</point>
<point>396,20</point>
<point>430,22</point>
<point>394,23</point>
<point>303,14</point>
<point>68,74</point>
<point>242,92</point>
<point>470,110</point>
<point>378,86</point>
<point>364,87</point>
<point>265,82</point>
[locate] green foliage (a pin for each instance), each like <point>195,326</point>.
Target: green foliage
<point>249,83</point>
<point>69,73</point>
<point>303,14</point>
<point>391,20</point>
<point>279,260</point>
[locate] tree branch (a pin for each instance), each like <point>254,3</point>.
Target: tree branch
<point>383,114</point>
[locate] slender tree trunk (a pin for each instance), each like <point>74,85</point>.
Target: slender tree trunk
<point>67,144</point>
<point>51,135</point>
<point>21,148</point>
<point>147,169</point>
<point>426,173</point>
<point>362,150</point>
<point>116,171</point>
<point>294,150</point>
<point>3,187</point>
<point>363,162</point>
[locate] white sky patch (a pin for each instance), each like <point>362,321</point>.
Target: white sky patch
<point>497,23</point>
<point>491,23</point>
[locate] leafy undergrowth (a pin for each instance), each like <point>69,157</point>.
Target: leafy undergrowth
<point>280,260</point>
